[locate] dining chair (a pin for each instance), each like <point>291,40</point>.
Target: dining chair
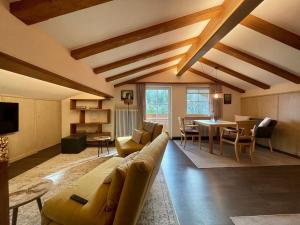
<point>241,137</point>
<point>188,130</point>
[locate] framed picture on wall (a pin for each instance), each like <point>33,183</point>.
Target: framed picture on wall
<point>126,93</point>
<point>227,98</point>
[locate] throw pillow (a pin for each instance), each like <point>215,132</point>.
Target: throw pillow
<point>128,158</point>
<point>241,118</point>
<point>116,186</point>
<point>265,122</point>
<point>136,136</point>
<point>146,137</point>
<point>148,126</point>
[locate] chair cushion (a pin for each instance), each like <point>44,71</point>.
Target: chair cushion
<point>136,136</point>
<point>232,137</point>
<point>126,146</point>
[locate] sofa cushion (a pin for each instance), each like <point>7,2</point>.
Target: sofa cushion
<point>148,126</point>
<point>146,137</point>
<point>136,136</point>
<point>62,210</point>
<point>157,131</point>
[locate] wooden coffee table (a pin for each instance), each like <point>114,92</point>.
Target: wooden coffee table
<point>27,194</point>
<point>102,140</point>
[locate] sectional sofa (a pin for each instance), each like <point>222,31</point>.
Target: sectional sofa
<point>116,190</point>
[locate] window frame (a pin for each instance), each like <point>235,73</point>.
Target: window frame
<point>186,102</point>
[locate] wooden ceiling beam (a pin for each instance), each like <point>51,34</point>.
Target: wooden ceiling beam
<point>272,31</point>
<point>144,33</point>
<point>144,55</point>
<point>139,69</point>
<point>145,76</point>
<point>234,73</point>
<point>35,11</point>
<point>258,62</point>
<point>231,14</point>
<point>197,72</point>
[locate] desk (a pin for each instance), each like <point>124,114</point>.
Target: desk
<point>211,124</point>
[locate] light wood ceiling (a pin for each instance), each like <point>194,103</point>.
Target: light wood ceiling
<point>144,38</point>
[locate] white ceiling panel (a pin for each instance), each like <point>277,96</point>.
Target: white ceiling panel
<point>283,13</point>
<point>145,62</point>
<point>265,48</point>
<point>117,17</point>
<point>145,45</point>
<point>222,76</point>
<point>145,72</point>
<point>243,67</point>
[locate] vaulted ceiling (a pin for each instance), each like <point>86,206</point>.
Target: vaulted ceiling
<point>128,40</point>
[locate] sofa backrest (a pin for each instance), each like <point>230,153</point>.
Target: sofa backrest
<point>139,180</point>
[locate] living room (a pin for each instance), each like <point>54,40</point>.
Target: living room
<point>174,112</point>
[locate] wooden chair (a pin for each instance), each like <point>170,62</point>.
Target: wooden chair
<point>241,137</point>
<point>188,130</point>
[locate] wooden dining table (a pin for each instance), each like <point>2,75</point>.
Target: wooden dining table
<point>212,125</point>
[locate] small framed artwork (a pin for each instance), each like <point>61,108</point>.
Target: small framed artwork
<point>227,98</point>
<point>126,94</point>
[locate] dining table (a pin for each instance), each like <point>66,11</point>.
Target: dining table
<point>212,126</point>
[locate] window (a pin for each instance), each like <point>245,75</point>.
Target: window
<point>197,101</point>
<point>157,105</point>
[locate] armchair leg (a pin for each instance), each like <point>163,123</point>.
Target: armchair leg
<point>236,149</point>
<point>184,142</point>
<point>181,139</point>
<point>270,145</point>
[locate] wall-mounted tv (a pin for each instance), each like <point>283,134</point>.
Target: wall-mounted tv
<point>9,117</point>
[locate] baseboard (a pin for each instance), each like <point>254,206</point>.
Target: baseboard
<point>279,151</point>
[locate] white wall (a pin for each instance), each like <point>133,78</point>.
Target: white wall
<point>39,126</point>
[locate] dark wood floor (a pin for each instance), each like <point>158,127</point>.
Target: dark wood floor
<point>31,161</point>
<point>212,196</point>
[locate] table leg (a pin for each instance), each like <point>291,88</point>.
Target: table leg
<point>107,143</point>
<point>14,216</point>
<point>39,203</point>
<point>99,147</point>
<point>210,139</point>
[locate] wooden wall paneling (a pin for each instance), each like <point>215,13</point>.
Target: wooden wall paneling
<point>287,137</point>
<point>4,211</point>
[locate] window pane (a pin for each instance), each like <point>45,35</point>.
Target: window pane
<point>197,101</point>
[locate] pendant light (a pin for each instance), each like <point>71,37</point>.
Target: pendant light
<point>218,87</point>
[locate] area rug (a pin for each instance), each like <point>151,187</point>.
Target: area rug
<point>280,219</point>
<point>262,156</point>
<point>63,169</point>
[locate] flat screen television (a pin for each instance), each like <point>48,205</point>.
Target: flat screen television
<point>9,117</point>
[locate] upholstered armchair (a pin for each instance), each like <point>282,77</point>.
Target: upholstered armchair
<point>264,132</point>
<point>188,130</point>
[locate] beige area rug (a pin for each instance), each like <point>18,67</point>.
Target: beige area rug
<point>280,219</point>
<point>63,169</point>
<point>262,156</point>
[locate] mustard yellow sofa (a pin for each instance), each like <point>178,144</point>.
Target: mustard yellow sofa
<point>127,190</point>
<point>126,146</point>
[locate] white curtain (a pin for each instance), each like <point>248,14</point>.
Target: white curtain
<point>126,121</point>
